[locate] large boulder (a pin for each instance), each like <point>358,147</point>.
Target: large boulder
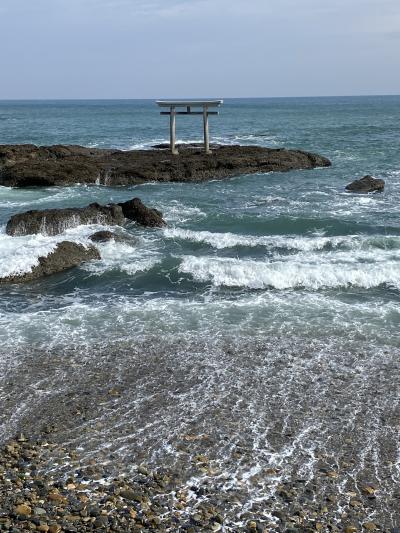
<point>145,216</point>
<point>66,255</point>
<point>28,165</point>
<point>56,221</point>
<point>366,184</point>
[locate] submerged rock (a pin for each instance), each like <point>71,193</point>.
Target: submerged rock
<point>56,221</point>
<point>30,165</point>
<point>102,236</point>
<point>66,255</point>
<point>366,184</point>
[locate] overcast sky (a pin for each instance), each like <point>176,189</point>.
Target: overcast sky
<point>198,48</point>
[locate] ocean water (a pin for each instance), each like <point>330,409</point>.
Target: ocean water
<point>260,254</point>
<point>285,266</point>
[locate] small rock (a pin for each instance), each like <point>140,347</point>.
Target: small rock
<point>58,498</point>
<point>101,521</point>
<point>368,490</point>
<point>23,509</point>
<point>332,474</point>
<point>55,528</point>
<point>94,511</point>
<point>366,184</point>
<point>132,514</point>
<point>355,503</point>
<point>129,494</point>
<point>143,470</point>
<point>39,511</point>
<point>102,236</point>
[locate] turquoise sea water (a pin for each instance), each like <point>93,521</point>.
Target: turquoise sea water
<point>256,255</point>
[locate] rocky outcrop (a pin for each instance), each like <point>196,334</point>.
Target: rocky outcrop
<point>66,255</point>
<point>366,184</point>
<point>29,165</point>
<point>102,236</point>
<point>56,221</point>
<point>145,216</point>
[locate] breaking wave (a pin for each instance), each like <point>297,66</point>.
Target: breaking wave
<point>307,243</point>
<point>129,255</point>
<point>307,272</point>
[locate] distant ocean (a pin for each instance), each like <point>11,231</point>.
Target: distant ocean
<point>287,265</point>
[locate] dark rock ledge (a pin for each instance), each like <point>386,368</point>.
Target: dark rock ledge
<point>56,221</point>
<point>30,165</point>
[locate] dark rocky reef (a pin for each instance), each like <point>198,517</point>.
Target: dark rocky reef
<point>366,184</point>
<point>30,165</point>
<point>55,221</point>
<point>66,255</point>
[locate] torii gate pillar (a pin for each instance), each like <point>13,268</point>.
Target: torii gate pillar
<point>173,104</point>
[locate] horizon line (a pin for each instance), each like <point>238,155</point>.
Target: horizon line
<point>71,99</point>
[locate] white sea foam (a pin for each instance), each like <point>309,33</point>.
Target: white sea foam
<point>50,197</point>
<point>250,139</point>
<point>20,254</point>
<point>78,319</point>
<point>266,200</point>
<point>176,211</point>
<point>124,257</point>
<point>300,243</point>
<point>145,145</point>
<point>148,145</point>
<point>307,272</point>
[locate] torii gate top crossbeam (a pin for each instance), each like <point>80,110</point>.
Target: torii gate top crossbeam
<point>191,103</point>
<point>173,104</point>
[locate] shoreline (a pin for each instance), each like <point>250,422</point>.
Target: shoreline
<point>86,497</point>
<point>237,370</point>
<point>257,447</point>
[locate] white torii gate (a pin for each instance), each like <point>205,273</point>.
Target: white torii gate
<point>173,104</point>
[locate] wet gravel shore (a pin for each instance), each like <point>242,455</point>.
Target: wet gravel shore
<point>87,498</point>
<point>136,440</point>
